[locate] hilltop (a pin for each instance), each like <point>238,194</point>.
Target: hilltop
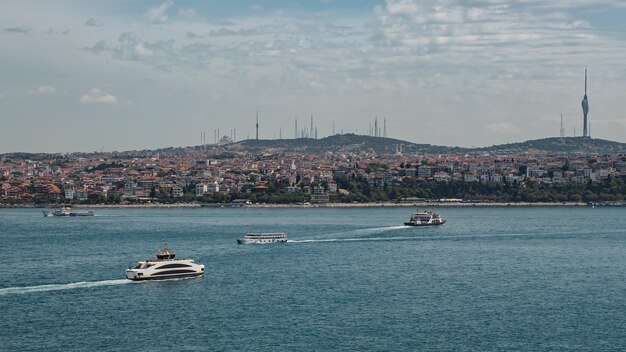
<point>382,145</point>
<point>557,145</point>
<point>352,143</point>
<point>343,143</point>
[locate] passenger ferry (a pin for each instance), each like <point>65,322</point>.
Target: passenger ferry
<point>263,238</point>
<point>68,211</point>
<point>425,218</point>
<point>166,266</point>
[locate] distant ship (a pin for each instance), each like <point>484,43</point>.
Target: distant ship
<point>425,218</point>
<point>164,267</point>
<point>263,238</point>
<point>68,211</point>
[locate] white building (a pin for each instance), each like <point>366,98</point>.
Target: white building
<point>201,189</point>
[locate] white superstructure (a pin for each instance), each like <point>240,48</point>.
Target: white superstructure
<point>164,267</point>
<point>263,238</point>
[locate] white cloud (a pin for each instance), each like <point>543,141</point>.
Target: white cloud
<point>159,13</point>
<point>43,89</point>
<point>92,22</point>
<point>97,96</point>
<point>21,30</point>
<point>188,13</point>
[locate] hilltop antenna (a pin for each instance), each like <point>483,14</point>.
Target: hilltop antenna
<point>562,131</point>
<point>295,135</point>
<point>376,127</point>
<point>257,125</point>
<point>385,127</point>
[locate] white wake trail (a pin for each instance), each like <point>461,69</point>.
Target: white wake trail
<point>58,287</point>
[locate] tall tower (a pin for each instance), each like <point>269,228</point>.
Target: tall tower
<point>585,105</point>
<point>385,128</point>
<point>376,127</point>
<point>257,125</point>
<point>311,130</point>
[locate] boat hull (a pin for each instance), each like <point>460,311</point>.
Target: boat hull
<point>162,277</point>
<point>424,224</point>
<point>88,213</point>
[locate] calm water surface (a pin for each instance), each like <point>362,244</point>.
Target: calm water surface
<point>491,279</point>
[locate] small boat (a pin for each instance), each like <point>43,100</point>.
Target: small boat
<point>425,218</point>
<point>166,266</point>
<point>68,211</point>
<point>263,238</point>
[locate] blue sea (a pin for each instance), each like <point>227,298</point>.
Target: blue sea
<point>352,279</point>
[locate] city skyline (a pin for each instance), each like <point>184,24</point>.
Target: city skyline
<point>84,76</point>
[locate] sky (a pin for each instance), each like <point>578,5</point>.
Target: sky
<point>117,75</point>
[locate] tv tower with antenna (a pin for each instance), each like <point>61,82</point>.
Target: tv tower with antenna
<point>585,105</point>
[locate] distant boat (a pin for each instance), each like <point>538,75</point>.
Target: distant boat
<point>425,218</point>
<point>68,211</point>
<point>263,238</point>
<point>164,267</point>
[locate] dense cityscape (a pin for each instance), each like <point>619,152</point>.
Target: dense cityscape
<point>229,174</point>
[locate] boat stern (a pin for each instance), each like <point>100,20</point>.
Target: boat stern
<point>132,274</point>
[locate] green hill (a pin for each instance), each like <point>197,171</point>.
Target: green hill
<point>556,145</point>
<point>343,143</point>
<point>381,145</point>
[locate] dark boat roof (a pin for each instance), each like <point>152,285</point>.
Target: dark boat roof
<point>165,253</point>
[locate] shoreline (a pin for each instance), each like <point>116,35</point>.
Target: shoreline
<point>304,206</point>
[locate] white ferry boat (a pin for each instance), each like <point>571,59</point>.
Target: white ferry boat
<point>164,267</point>
<point>425,218</point>
<point>263,238</point>
<point>68,211</point>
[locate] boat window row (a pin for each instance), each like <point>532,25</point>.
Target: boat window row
<point>170,272</point>
<point>175,265</point>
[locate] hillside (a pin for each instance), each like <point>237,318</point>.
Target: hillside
<point>343,143</point>
<point>352,143</point>
<point>380,145</point>
<point>556,145</point>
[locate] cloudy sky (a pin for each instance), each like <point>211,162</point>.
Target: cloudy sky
<point>81,75</point>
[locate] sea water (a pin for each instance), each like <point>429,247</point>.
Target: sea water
<point>349,279</point>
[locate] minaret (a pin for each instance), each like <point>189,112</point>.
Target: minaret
<point>257,125</point>
<point>585,105</point>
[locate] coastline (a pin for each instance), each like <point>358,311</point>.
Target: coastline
<point>327,205</point>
